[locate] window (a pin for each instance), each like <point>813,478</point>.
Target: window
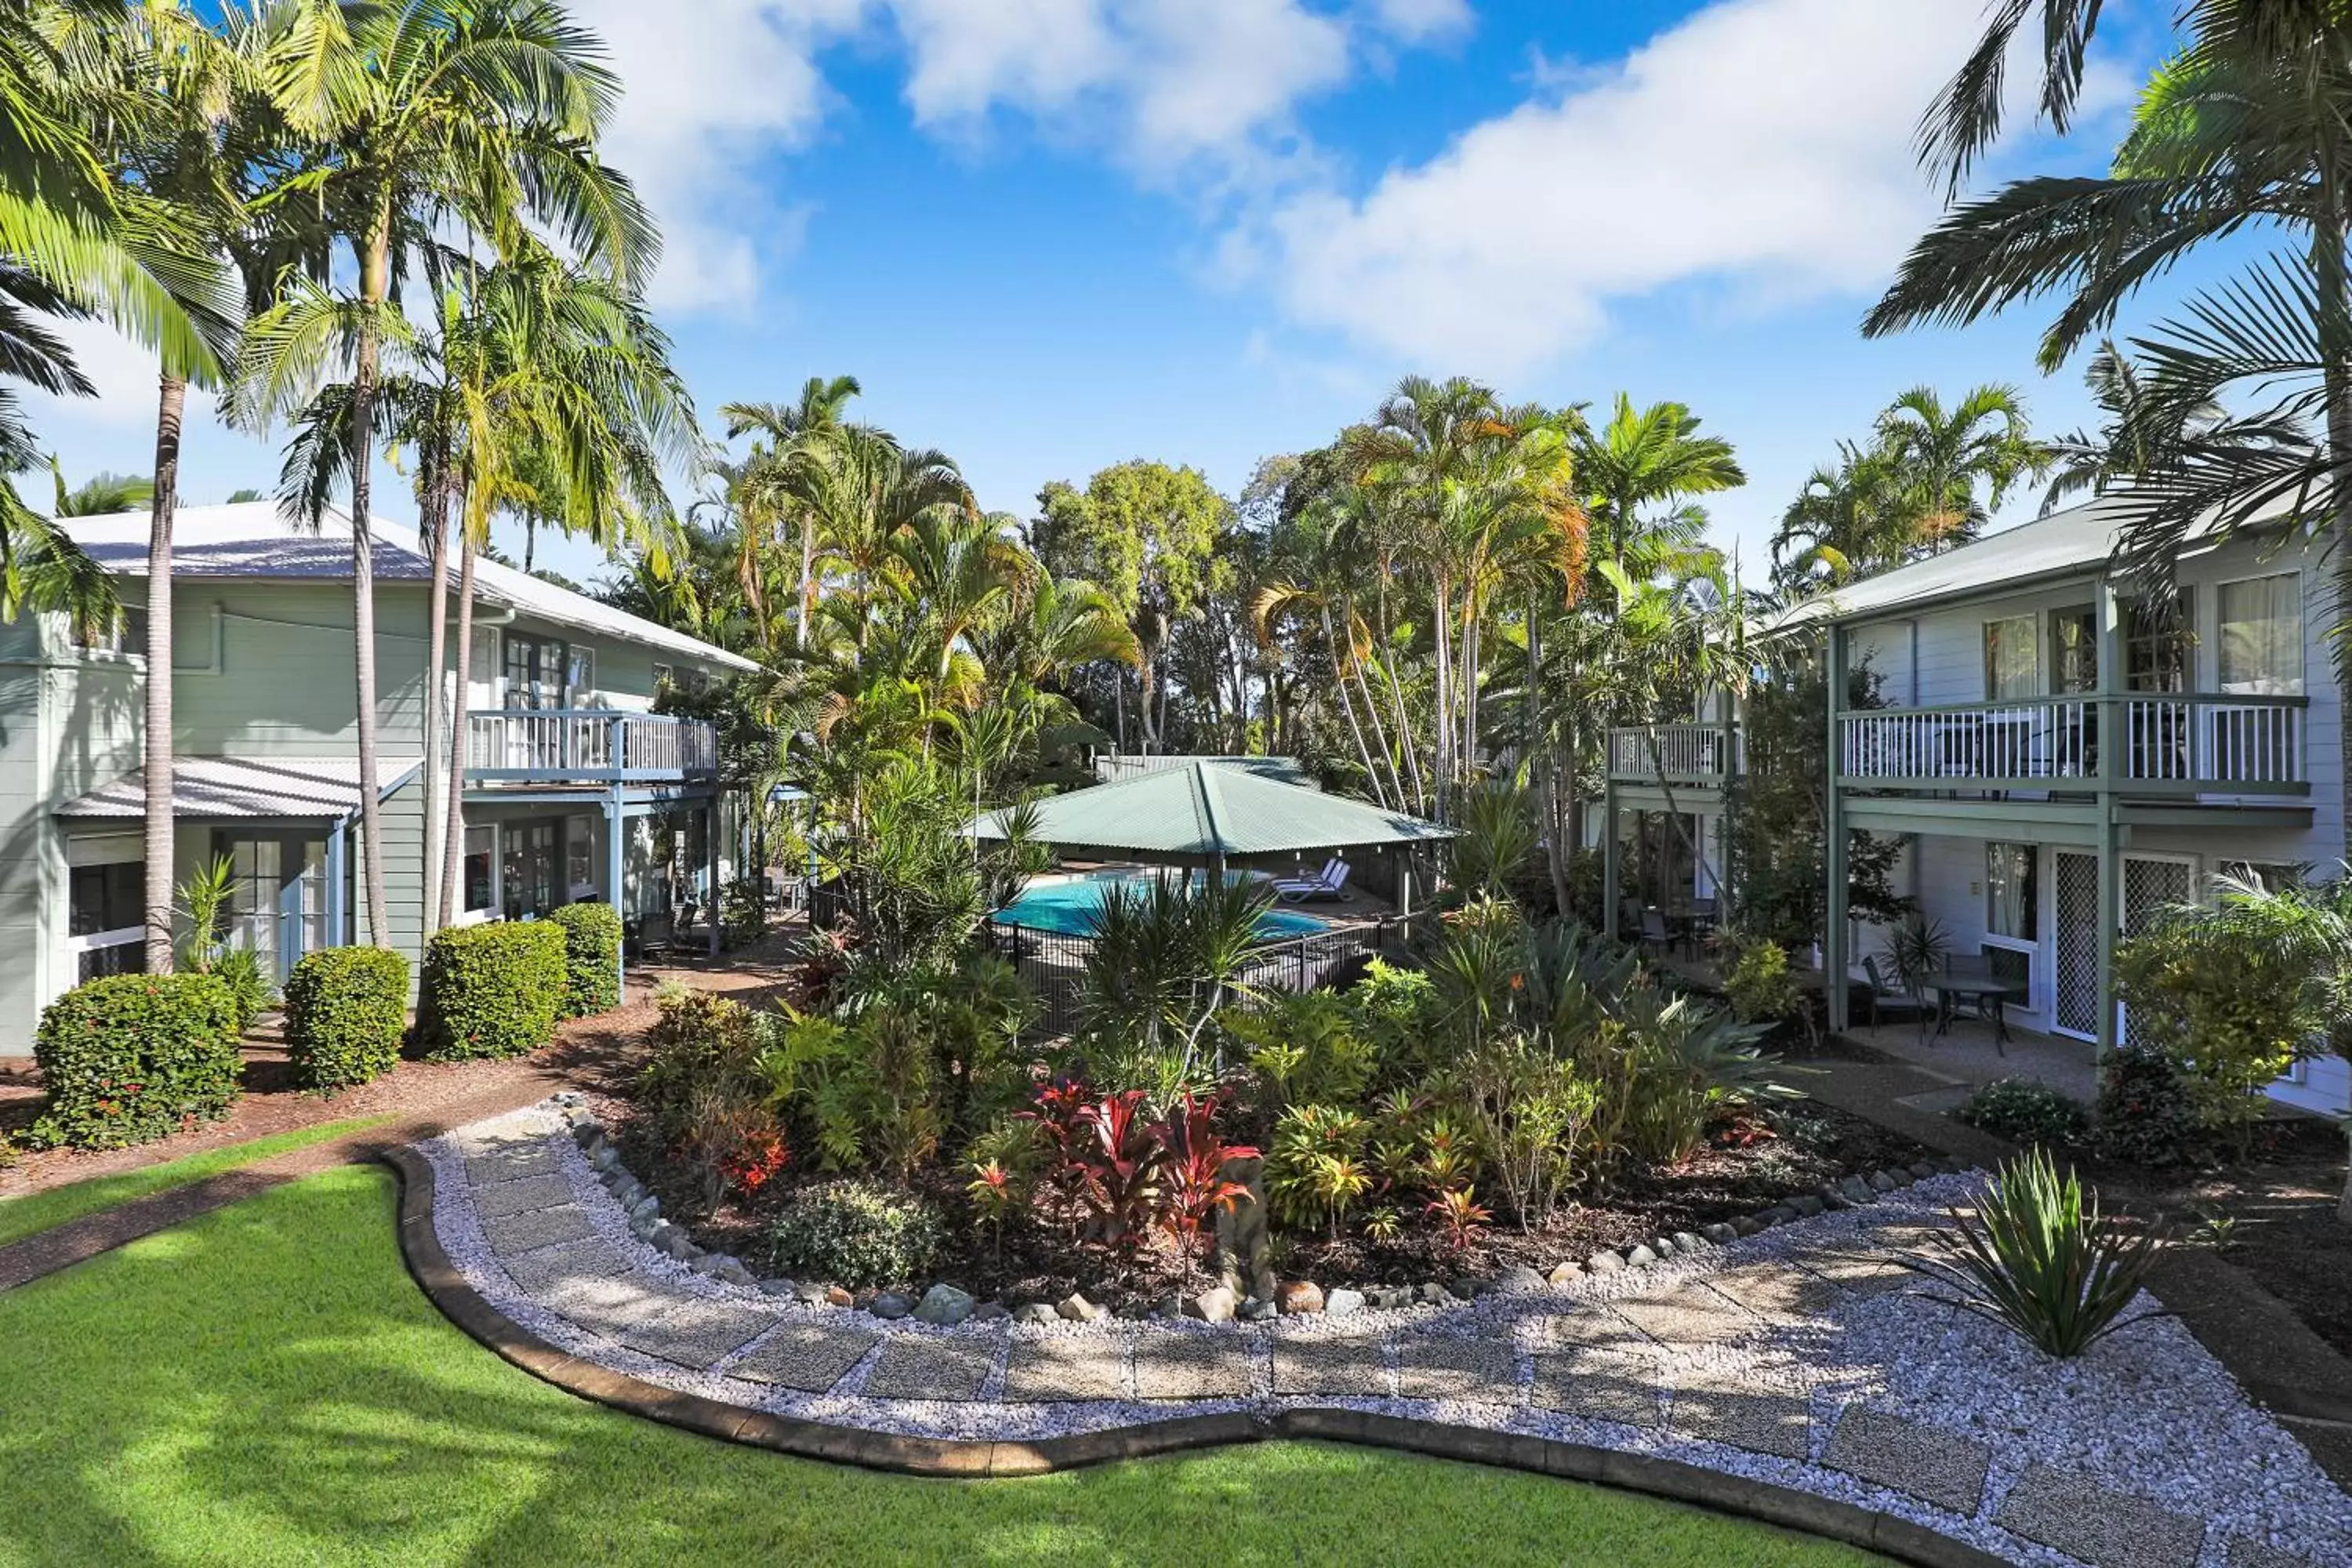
<point>579,675</point>
<point>2261,641</point>
<point>2157,643</point>
<point>664,676</point>
<point>580,856</point>
<point>2012,670</point>
<point>2012,893</point>
<point>481,874</point>
<point>534,672</point>
<point>104,906</point>
<point>528,877</point>
<point>128,635</point>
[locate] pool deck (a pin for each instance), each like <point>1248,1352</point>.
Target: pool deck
<point>1352,908</point>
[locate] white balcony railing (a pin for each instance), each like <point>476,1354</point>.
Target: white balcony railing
<point>1702,753</point>
<point>2173,743</point>
<point>586,745</point>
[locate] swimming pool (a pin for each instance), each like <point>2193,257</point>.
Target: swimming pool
<point>1068,905</point>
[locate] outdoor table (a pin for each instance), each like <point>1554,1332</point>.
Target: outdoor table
<point>1979,988</point>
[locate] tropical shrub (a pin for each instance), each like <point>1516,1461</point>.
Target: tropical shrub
<point>1192,1173</point>
<point>346,1014</point>
<point>129,1058</point>
<point>1304,1047</point>
<point>743,913</point>
<point>1315,1169</point>
<point>2145,1114</point>
<point>492,990</point>
<point>239,969</point>
<point>2025,1111</point>
<point>592,957</point>
<point>2223,994</point>
<point>854,1232</point>
<point>704,1098</point>
<point>204,900</point>
<point>2040,1261</point>
<point>1760,988</point>
<point>1533,1115</point>
<point>1166,956</point>
<point>1396,1013</point>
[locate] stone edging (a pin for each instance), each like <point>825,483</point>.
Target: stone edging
<point>420,1245</point>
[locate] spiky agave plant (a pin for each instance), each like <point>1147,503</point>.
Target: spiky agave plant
<point>2039,1259</point>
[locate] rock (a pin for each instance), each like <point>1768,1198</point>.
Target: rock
<point>1780,1213</point>
<point>711,1263</point>
<point>1038,1312</point>
<point>677,1244</point>
<point>1954,1165</point>
<point>1568,1273</point>
<point>1298,1297</point>
<point>1749,1224</point>
<point>1133,1312</point>
<point>835,1296</point>
<point>1831,1199</point>
<point>645,1207</point>
<point>990,1312</point>
<point>1343,1302</point>
<point>1664,1246</point>
<point>1925,1170</point>
<point>1432,1294</point>
<point>604,1157</point>
<point>1519,1280</point>
<point>1604,1263</point>
<point>1214,1305</point>
<point>720,1266</point>
<point>889,1306</point>
<point>1467,1289</point>
<point>1687,1242</point>
<point>943,1306</point>
<point>1720,1234</point>
<point>1172,1305</point>
<point>809,1294</point>
<point>1855,1190</point>
<point>1806,1205</point>
<point>1897,1177</point>
<point>1079,1310</point>
<point>587,1134</point>
<point>1257,1309</point>
<point>1640,1257</point>
<point>781,1287</point>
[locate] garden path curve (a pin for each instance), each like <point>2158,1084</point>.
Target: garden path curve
<point>1799,1375</point>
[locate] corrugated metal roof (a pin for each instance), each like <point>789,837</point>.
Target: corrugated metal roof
<point>1209,809</point>
<point>253,539</point>
<point>1281,770</point>
<point>209,788</point>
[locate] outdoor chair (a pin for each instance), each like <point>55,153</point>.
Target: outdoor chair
<point>1656,938</point>
<point>657,936</point>
<point>1892,1001</point>
<point>1331,883</point>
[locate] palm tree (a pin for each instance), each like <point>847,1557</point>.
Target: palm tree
<point>1645,460</point>
<point>862,491</point>
<point>416,112</point>
<point>2144,422</point>
<point>1958,464</point>
<point>101,495</point>
<point>774,479</point>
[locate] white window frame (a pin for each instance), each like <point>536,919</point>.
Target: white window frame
<point>481,915</point>
<point>580,657</point>
<point>1984,654</point>
<point>2213,620</point>
<point>97,849</point>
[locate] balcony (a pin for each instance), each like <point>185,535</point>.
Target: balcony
<point>2148,744</point>
<point>1699,754</point>
<point>585,745</point>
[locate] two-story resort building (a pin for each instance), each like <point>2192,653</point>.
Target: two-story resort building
<point>2061,763</point>
<point>573,789</point>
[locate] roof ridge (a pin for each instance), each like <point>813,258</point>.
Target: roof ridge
<point>1210,798</point>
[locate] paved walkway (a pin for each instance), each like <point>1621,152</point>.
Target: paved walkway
<point>1805,1357</point>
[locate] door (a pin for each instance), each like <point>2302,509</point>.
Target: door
<point>2074,670</point>
<point>2152,885</point>
<point>278,902</point>
<point>2075,1006</point>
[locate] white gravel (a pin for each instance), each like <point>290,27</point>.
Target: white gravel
<point>2147,1412</point>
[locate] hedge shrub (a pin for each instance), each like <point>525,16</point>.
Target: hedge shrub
<point>2024,1110</point>
<point>129,1058</point>
<point>492,990</point>
<point>855,1232</point>
<point>592,957</point>
<point>346,1010</point>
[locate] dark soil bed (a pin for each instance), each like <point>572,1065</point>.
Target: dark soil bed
<point>1040,1261</point>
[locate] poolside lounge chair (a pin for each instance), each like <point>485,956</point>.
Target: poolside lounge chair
<point>1329,883</point>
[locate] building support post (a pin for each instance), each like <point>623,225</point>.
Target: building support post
<point>2110,738</point>
<point>1834,846</point>
<point>1609,859</point>
<point>616,871</point>
<point>338,900</point>
<point>710,855</point>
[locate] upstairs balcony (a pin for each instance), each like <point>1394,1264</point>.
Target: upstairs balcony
<point>2150,745</point>
<point>1704,755</point>
<point>587,746</point>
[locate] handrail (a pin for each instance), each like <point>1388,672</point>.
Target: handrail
<point>1675,751</point>
<point>2209,742</point>
<point>553,744</point>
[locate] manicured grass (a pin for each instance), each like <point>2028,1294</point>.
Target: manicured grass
<point>266,1385</point>
<point>38,1212</point>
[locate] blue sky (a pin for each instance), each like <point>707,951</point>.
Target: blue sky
<point>1050,234</point>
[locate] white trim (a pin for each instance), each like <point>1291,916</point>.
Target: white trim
<point>2210,619</point>
<point>122,936</point>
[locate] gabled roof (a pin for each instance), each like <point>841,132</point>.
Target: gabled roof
<point>253,540</point>
<point>1281,770</point>
<point>209,788</point>
<point>1204,808</point>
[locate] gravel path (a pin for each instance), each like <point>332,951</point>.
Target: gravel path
<point>1801,1356</point>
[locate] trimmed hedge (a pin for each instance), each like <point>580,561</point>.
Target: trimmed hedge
<point>492,990</point>
<point>129,1058</point>
<point>346,1011</point>
<point>592,957</point>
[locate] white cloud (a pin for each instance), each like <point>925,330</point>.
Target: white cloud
<point>1418,21</point>
<point>126,378</point>
<point>1760,143</point>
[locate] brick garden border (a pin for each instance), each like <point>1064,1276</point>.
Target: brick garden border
<point>1674,1480</point>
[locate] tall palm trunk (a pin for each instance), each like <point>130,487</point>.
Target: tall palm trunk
<point>1347,706</point>
<point>437,844</point>
<point>454,830</point>
<point>1444,640</point>
<point>375,269</point>
<point>155,914</point>
<point>1540,758</point>
<point>808,577</point>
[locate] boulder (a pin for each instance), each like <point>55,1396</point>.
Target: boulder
<point>1686,1242</point>
<point>781,1287</point>
<point>1079,1310</point>
<point>1519,1279</point>
<point>943,1306</point>
<point>889,1306</point>
<point>1896,1178</point>
<point>645,1207</point>
<point>1749,1225</point>
<point>1298,1297</point>
<point>587,1134</point>
<point>1719,1235</point>
<point>1807,1205</point>
<point>1640,1255</point>
<point>1343,1302</point>
<point>1604,1263</point>
<point>1567,1274</point>
<point>1432,1294</point>
<point>1780,1214</point>
<point>1257,1309</point>
<point>1855,1190</point>
<point>835,1296</point>
<point>990,1312</point>
<point>1038,1312</point>
<point>1214,1305</point>
<point>1924,1169</point>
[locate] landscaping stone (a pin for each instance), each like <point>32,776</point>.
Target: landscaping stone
<point>1765,1417</point>
<point>1640,1257</point>
<point>1214,1305</point>
<point>537,1273</point>
<point>1035,1312</point>
<point>889,1306</point>
<point>1805,1206</point>
<point>1435,1368</point>
<point>1465,1289</point>
<point>1692,1315</point>
<point>1389,1296</point>
<point>1858,1269</point>
<point>1171,1305</point>
<point>2063,1510</point>
<point>1604,1263</point>
<point>609,1305</point>
<point>677,1244</point>
<point>1257,1310</point>
<point>1519,1280</point>
<point>1830,1198</point>
<point>1353,1366</point>
<point>1065,1367</point>
<point>835,1296</point>
<point>1856,1191</point>
<point>1929,1463</point>
<point>1591,1328</point>
<point>1749,1224</point>
<point>1775,1290</point>
<point>1896,1177</point>
<point>921,1366</point>
<point>696,1333</point>
<point>1922,1169</point>
<point>804,1357</point>
<point>1343,1302</point>
<point>1720,1234</point>
<point>1190,1366</point>
<point>2247,1552</point>
<point>1076,1307</point>
<point>810,1293</point>
<point>1298,1297</point>
<point>730,1271</point>
<point>628,1194</point>
<point>1432,1294</point>
<point>604,1157</point>
<point>513,1162</point>
<point>784,1288</point>
<point>510,1234</point>
<point>645,1207</point>
<point>1599,1384</point>
<point>943,1306</point>
<point>1566,1275</point>
<point>1687,1244</point>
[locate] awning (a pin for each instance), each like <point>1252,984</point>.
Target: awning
<point>1207,808</point>
<point>205,788</point>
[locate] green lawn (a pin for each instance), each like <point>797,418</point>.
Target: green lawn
<point>264,1384</point>
<point>38,1212</point>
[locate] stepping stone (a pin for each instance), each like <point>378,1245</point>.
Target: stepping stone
<point>1600,1385</point>
<point>810,1357</point>
<point>699,1331</point>
<point>1331,1366</point>
<point>610,1307</point>
<point>1592,1328</point>
<point>537,1273</point>
<point>2073,1514</point>
<point>1191,1366</point>
<point>1094,1367</point>
<point>1457,1369</point>
<point>513,1233</point>
<point>1690,1316</point>
<point>1765,1417</point>
<point>1859,1269</point>
<point>918,1366</point>
<point>518,1164</point>
<point>1775,1290</point>
<point>1929,1463</point>
<point>514,1197</point>
<point>2246,1552</point>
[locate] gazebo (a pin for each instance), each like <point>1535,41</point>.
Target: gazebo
<point>1211,813</point>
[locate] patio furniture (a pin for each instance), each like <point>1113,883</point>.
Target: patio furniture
<point>1655,934</point>
<point>1330,883</point>
<point>655,936</point>
<point>1900,1001</point>
<point>1978,988</point>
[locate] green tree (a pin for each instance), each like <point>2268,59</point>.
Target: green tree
<point>1637,473</point>
<point>772,485</point>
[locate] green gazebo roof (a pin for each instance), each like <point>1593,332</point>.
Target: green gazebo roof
<point>1210,809</point>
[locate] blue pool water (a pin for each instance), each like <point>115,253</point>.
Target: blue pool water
<point>1069,905</point>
